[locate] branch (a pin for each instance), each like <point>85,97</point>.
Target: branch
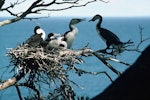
<point>75,4</point>
<point>50,62</point>
<point>38,6</point>
<point>80,71</point>
<point>12,5</point>
<point>142,40</point>
<point>31,87</point>
<point>19,93</point>
<point>12,81</point>
<point>1,4</point>
<point>116,60</point>
<point>106,63</point>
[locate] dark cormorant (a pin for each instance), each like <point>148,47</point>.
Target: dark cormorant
<point>110,38</point>
<point>36,39</point>
<point>70,35</point>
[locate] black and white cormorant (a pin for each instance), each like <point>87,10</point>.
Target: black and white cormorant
<point>36,39</point>
<point>109,37</point>
<point>70,35</point>
<point>55,41</point>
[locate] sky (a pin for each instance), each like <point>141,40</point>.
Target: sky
<point>119,8</point>
<point>122,8</point>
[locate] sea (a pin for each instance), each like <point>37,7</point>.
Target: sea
<point>126,28</point>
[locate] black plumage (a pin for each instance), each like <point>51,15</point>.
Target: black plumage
<point>109,37</point>
<point>36,39</point>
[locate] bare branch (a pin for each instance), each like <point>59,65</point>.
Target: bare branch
<point>116,60</point>
<point>12,5</point>
<point>19,93</point>
<point>8,83</point>
<point>142,40</point>
<point>75,4</point>
<point>106,63</point>
<point>1,4</point>
<point>12,81</point>
<point>39,6</point>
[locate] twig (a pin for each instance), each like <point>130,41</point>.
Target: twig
<point>116,60</point>
<point>142,40</point>
<point>39,6</point>
<point>80,71</point>
<point>19,93</point>
<point>106,63</point>
<point>31,87</point>
<point>12,81</point>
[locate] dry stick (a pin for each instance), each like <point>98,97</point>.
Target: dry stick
<point>19,93</point>
<point>31,87</point>
<point>140,42</point>
<point>11,81</point>
<point>106,63</point>
<point>94,73</point>
<point>101,59</point>
<point>118,61</point>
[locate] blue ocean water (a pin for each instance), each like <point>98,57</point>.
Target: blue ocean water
<point>125,28</point>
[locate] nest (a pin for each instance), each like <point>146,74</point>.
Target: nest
<point>46,66</point>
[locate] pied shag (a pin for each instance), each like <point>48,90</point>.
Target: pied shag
<point>54,41</point>
<point>70,35</point>
<point>109,37</point>
<point>36,39</point>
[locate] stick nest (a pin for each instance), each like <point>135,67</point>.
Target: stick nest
<point>46,67</point>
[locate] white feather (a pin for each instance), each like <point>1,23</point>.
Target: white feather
<point>41,31</point>
<point>70,36</point>
<point>55,43</point>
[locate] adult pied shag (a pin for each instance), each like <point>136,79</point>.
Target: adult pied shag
<point>109,37</point>
<point>70,35</point>
<point>36,39</point>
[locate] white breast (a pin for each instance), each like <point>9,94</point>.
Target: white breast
<point>41,31</point>
<point>57,43</point>
<point>70,37</point>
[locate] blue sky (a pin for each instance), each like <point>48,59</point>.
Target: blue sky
<point>129,8</point>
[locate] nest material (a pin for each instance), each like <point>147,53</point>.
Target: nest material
<point>46,66</point>
<point>39,59</point>
<point>42,66</point>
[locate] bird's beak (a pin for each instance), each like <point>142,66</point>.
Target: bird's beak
<point>56,34</point>
<point>91,20</point>
<point>82,19</point>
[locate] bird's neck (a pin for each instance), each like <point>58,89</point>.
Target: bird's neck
<point>71,35</point>
<point>43,36</point>
<point>73,29</point>
<point>98,26</point>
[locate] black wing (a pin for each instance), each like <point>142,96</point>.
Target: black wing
<point>109,36</point>
<point>34,40</point>
<point>45,43</point>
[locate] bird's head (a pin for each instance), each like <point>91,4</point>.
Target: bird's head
<point>50,35</point>
<point>76,21</point>
<point>96,17</point>
<point>38,30</point>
